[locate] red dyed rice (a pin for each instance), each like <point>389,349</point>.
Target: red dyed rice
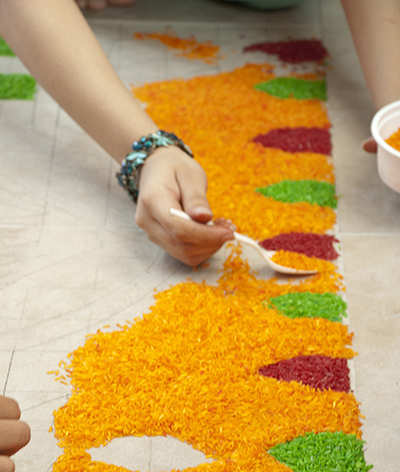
<point>319,372</point>
<point>309,244</point>
<point>300,139</point>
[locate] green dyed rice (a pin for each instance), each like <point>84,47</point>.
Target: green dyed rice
<point>290,87</point>
<point>310,305</point>
<point>323,452</point>
<point>294,191</point>
<point>5,49</point>
<point>17,86</point>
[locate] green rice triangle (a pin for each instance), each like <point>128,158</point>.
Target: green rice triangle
<point>323,452</point>
<point>310,305</point>
<point>291,87</point>
<point>17,86</point>
<point>295,191</point>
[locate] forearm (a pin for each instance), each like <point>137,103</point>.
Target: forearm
<point>375,26</point>
<point>54,41</point>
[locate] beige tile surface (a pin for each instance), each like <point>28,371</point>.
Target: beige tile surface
<point>372,276</point>
<point>72,259</point>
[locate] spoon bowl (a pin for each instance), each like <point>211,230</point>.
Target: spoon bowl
<point>266,255</point>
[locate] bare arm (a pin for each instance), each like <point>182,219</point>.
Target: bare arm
<point>55,43</point>
<point>375,26</point>
<point>57,46</point>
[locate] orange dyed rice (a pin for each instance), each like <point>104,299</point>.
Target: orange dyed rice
<point>394,140</point>
<point>189,368</point>
<point>300,261</point>
<point>190,47</point>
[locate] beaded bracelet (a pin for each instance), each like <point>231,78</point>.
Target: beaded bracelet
<point>129,175</point>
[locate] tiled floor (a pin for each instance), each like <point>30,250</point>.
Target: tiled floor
<point>72,259</point>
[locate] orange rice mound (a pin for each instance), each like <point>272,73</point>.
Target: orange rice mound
<point>190,47</point>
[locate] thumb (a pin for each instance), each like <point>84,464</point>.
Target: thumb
<point>193,189</point>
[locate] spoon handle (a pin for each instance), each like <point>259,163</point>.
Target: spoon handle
<point>184,216</point>
<point>180,214</point>
<point>246,240</point>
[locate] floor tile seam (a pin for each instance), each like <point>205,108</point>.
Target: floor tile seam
<point>34,347</point>
<point>49,175</point>
<point>8,371</point>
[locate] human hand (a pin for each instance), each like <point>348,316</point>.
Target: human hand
<point>369,145</point>
<point>171,179</point>
<point>14,434</point>
<point>101,4</point>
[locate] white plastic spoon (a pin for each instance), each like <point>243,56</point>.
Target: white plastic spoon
<point>266,255</point>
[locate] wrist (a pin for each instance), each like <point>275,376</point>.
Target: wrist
<point>131,166</point>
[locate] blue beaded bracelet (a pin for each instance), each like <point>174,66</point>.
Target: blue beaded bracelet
<point>129,175</point>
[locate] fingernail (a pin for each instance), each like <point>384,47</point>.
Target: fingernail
<point>202,210</point>
<point>231,225</point>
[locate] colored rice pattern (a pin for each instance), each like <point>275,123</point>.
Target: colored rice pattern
<point>190,368</point>
<point>394,140</point>
<point>221,132</point>
<point>190,48</point>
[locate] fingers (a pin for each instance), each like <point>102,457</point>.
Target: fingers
<point>6,464</point>
<point>14,435</point>
<point>188,241</point>
<point>189,253</point>
<point>369,145</point>
<point>226,223</point>
<point>193,193</point>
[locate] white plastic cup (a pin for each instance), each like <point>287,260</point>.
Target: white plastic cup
<point>386,122</point>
